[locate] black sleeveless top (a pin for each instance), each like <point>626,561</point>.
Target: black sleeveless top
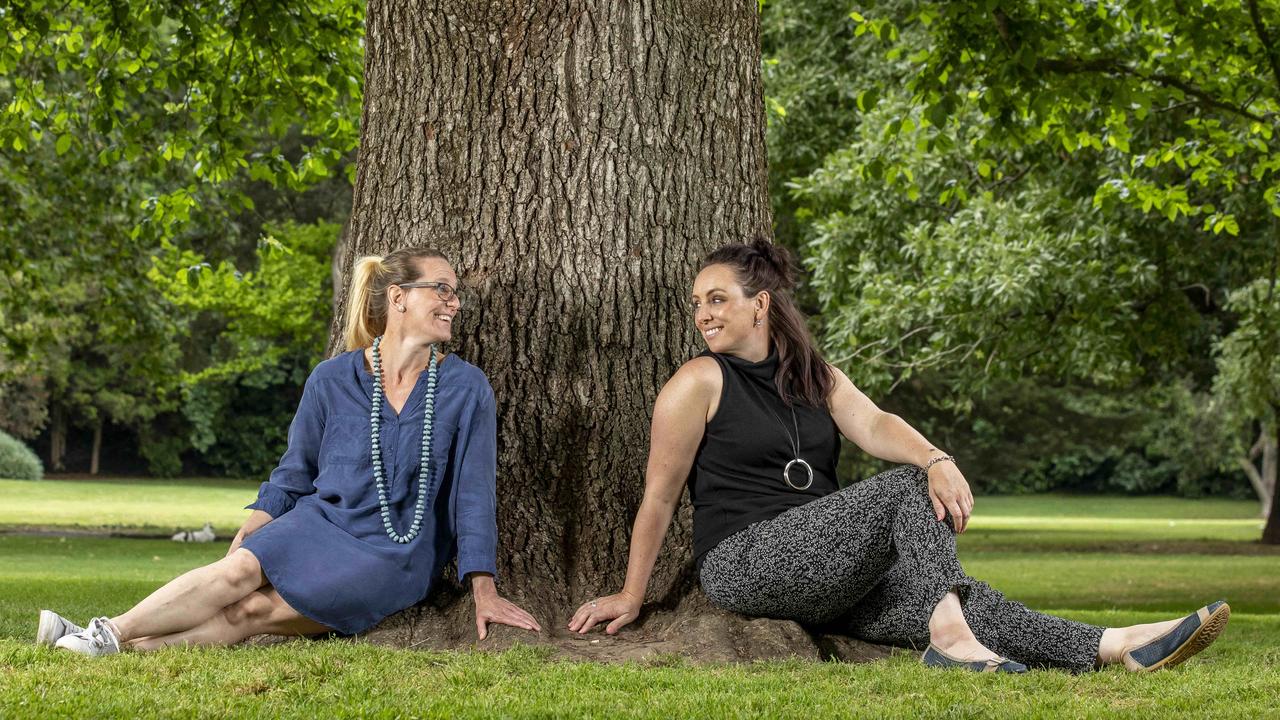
<point>736,479</point>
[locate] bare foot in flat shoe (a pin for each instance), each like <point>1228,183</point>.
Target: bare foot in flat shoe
<point>1145,648</point>
<point>1116,640</point>
<point>968,650</point>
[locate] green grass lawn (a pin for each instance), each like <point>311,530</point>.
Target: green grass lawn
<point>1108,561</point>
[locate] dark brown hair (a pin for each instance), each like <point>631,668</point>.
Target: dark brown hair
<point>367,296</point>
<point>802,373</point>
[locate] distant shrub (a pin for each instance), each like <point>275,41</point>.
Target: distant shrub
<point>17,461</point>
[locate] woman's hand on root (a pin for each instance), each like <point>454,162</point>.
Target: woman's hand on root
<point>493,608</point>
<point>950,494</point>
<point>621,608</point>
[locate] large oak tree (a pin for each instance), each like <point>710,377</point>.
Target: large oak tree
<point>574,160</point>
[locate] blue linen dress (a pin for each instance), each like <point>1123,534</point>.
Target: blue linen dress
<point>325,550</point>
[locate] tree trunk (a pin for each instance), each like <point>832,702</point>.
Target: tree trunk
<point>1271,532</point>
<point>97,448</point>
<point>57,439</point>
<point>1263,482</point>
<point>573,160</point>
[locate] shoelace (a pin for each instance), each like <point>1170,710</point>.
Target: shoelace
<point>95,634</point>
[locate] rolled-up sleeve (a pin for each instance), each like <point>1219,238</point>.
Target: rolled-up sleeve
<point>475,498</point>
<point>295,475</point>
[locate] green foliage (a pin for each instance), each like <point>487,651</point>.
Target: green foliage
<point>17,462</point>
<point>1026,436</point>
<point>126,133</point>
<point>79,325</point>
<point>926,257</point>
<point>187,88</point>
<point>813,67</point>
<point>1075,194</point>
<point>1176,96</point>
<point>251,339</point>
<point>25,404</point>
<point>1247,386</point>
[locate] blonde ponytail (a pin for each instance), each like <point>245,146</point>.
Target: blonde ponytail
<point>366,311</point>
<point>366,307</point>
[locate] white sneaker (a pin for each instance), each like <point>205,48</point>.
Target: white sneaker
<point>53,627</point>
<point>95,641</point>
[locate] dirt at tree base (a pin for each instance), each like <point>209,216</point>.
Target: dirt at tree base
<point>693,630</point>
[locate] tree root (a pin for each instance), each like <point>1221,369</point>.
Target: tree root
<point>693,630</point>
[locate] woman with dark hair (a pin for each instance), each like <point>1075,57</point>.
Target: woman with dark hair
<point>389,474</point>
<point>751,424</point>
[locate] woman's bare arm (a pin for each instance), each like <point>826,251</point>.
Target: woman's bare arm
<point>889,437</point>
<point>679,419</point>
<point>252,524</point>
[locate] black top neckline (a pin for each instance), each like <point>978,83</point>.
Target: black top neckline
<point>766,369</point>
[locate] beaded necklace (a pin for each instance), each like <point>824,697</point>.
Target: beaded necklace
<point>375,446</point>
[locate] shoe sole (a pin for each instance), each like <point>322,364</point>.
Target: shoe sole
<point>1202,638</point>
<point>49,631</point>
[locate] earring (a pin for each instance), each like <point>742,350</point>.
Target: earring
<point>400,308</point>
<point>757,323</point>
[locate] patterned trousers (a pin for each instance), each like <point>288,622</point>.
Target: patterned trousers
<point>873,561</point>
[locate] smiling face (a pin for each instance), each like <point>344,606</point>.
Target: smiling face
<point>724,315</point>
<point>425,315</point>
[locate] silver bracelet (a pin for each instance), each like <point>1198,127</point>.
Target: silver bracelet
<point>936,460</point>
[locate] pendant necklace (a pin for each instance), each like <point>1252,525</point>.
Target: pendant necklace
<point>375,446</point>
<point>795,443</point>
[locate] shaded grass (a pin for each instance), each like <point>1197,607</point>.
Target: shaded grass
<point>1019,551</point>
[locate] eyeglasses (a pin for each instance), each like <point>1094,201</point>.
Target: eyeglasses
<point>444,291</point>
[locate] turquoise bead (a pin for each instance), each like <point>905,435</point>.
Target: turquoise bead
<point>375,441</point>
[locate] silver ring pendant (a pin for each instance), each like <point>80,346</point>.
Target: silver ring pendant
<point>786,475</point>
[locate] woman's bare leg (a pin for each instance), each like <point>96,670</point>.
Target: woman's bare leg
<point>192,598</point>
<point>950,632</point>
<point>260,612</point>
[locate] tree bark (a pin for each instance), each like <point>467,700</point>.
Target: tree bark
<point>1263,482</point>
<point>57,439</point>
<point>97,448</point>
<point>574,160</point>
<point>1271,531</point>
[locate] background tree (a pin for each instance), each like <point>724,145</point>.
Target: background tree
<point>124,126</point>
<point>1058,133</point>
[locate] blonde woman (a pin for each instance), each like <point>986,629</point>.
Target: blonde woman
<point>388,475</point>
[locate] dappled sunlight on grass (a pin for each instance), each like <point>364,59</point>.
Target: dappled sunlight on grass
<point>1053,505</point>
<point>158,505</point>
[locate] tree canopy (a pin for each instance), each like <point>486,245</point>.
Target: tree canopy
<point>126,127</point>
<point>1008,209</point>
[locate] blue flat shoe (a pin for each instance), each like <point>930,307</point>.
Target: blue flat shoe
<point>933,657</point>
<point>1196,632</point>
